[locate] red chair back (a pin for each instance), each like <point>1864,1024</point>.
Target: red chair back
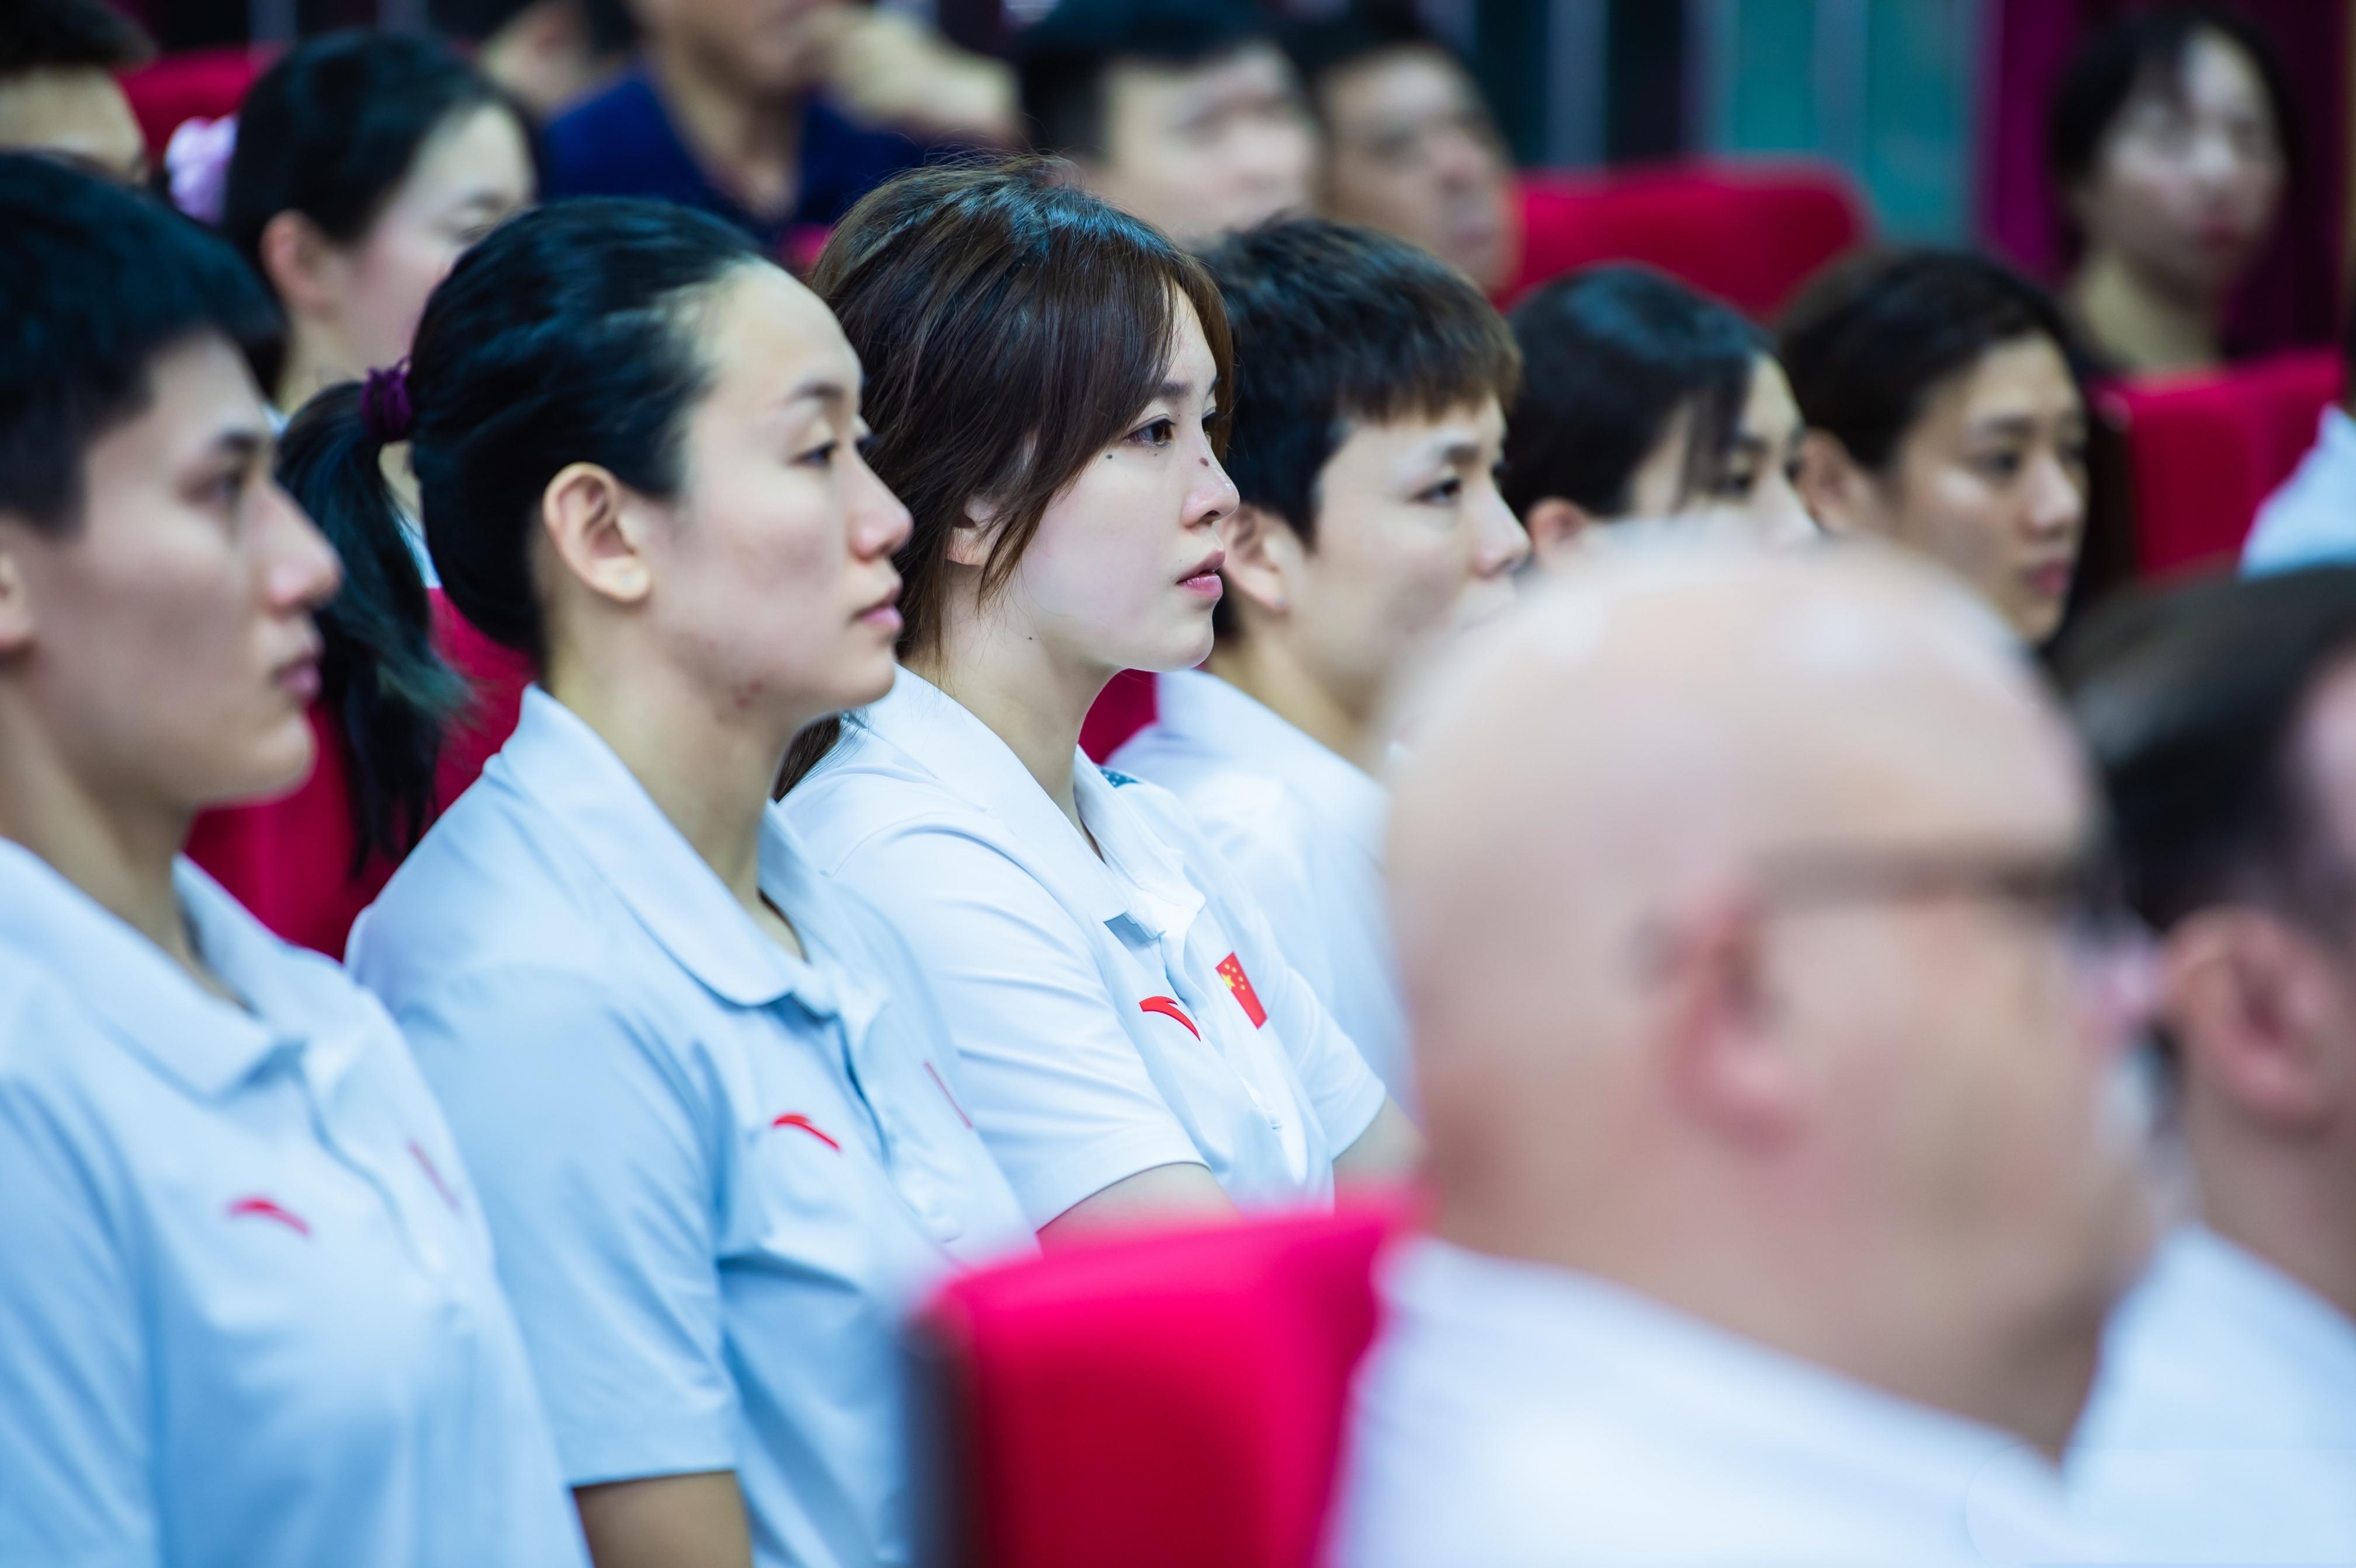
<point>1166,1401</point>
<point>201,84</point>
<point>1748,233</point>
<point>2204,451</point>
<point>1124,706</point>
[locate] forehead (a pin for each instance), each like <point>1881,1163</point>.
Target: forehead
<point>199,391</point>
<point>1374,450</point>
<point>764,335</point>
<point>2026,376</point>
<point>80,113</point>
<point>477,146</point>
<point>1397,83</point>
<point>1143,88</point>
<point>2218,75</point>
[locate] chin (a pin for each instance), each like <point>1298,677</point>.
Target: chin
<point>269,770</point>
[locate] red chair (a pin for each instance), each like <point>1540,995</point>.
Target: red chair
<point>295,861</point>
<point>201,84</point>
<point>1122,708</point>
<point>1748,233</point>
<point>2204,451</point>
<point>1167,1401</point>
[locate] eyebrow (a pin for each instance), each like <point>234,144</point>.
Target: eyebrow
<point>824,388</point>
<point>2014,425</point>
<point>244,444</point>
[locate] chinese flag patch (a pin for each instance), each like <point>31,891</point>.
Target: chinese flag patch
<point>1231,970</point>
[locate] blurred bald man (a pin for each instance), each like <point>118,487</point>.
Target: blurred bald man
<point>1746,911</point>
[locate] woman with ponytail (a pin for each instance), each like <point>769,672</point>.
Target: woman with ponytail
<point>1049,381</point>
<point>702,1091</point>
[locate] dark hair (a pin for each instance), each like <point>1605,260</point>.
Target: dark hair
<point>1062,59</point>
<point>2142,50</point>
<point>1356,33</point>
<point>1868,343</point>
<point>561,338</point>
<point>2190,700</point>
<point>334,127</point>
<point>1335,324</point>
<point>50,35</point>
<point>1011,326</point>
<point>99,282</point>
<point>1609,356</point>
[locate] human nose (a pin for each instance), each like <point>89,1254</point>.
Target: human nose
<point>880,523</point>
<point>2055,503</point>
<point>1213,494</point>
<point>1783,518</point>
<point>1500,542</point>
<point>302,573</point>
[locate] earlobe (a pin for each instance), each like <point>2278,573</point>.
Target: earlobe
<point>1728,1065</point>
<point>2246,1003</point>
<point>1556,526</point>
<point>1828,483</point>
<point>294,257</point>
<point>597,529</point>
<point>1261,555</point>
<point>969,542</point>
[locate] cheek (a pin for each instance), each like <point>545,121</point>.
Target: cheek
<point>397,275</point>
<point>1956,516</point>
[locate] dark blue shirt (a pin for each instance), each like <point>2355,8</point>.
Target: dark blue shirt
<point>622,142</point>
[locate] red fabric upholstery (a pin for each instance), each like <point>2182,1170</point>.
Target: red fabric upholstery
<point>290,860</point>
<point>1125,707</point>
<point>200,84</point>
<point>1748,233</point>
<point>2204,451</point>
<point>1167,1401</point>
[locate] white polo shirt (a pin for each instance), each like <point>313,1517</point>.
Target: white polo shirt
<point>2311,520</point>
<point>2223,1428</point>
<point>1302,826</point>
<point>719,1176</point>
<point>248,1314</point>
<point>1113,1014</point>
<point>1520,1416</point>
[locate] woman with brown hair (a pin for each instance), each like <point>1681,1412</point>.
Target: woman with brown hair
<point>1045,375</point>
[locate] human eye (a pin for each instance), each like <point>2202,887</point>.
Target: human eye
<point>1446,492</point>
<point>820,456</point>
<point>2002,464</point>
<point>1155,434</point>
<point>1735,484</point>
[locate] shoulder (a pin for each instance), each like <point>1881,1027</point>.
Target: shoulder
<point>869,794</point>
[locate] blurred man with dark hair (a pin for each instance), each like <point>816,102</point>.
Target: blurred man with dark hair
<point>1412,149</point>
<point>1184,113</point>
<point>2224,717</point>
<point>58,63</point>
<point>1367,433</point>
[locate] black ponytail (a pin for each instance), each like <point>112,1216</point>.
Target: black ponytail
<point>392,693</point>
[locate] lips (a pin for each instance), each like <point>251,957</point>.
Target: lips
<point>885,611</point>
<point>2051,580</point>
<point>299,677</point>
<point>1204,578</point>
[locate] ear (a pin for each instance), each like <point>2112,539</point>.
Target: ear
<point>970,540</point>
<point>302,264</point>
<point>1837,492</point>
<point>18,625</point>
<point>2248,1000</point>
<point>1554,525</point>
<point>1264,558</point>
<point>1727,1064</point>
<point>597,529</point>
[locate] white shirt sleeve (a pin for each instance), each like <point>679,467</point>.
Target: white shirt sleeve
<point>75,1449</point>
<point>589,1144</point>
<point>1054,1083</point>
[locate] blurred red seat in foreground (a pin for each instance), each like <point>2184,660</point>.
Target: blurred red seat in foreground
<point>1748,233</point>
<point>200,84</point>
<point>1166,1401</point>
<point>2204,451</point>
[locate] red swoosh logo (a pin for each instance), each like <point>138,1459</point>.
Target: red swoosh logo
<point>1169,1009</point>
<point>263,1209</point>
<point>795,1119</point>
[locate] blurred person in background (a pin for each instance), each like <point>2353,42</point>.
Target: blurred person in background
<point>1182,112</point>
<point>547,54</point>
<point>1642,400</point>
<point>1049,381</point>
<point>60,61</point>
<point>2223,717</point>
<point>1763,1056</point>
<point>776,115</point>
<point>1365,451</point>
<point>2310,518</point>
<point>1410,146</point>
<point>1944,412</point>
<point>248,1314</point>
<point>2170,140</point>
<point>366,164</point>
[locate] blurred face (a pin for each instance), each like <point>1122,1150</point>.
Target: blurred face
<point>771,45</point>
<point>166,644</point>
<point>471,173</point>
<point>1414,154</point>
<point>773,575</point>
<point>1201,150</point>
<point>2186,184</point>
<point>75,112</point>
<point>1991,480</point>
<point>1413,540</point>
<point>1124,569</point>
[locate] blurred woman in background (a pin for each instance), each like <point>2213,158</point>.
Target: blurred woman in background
<point>1945,413</point>
<point>2170,140</point>
<point>1642,399</point>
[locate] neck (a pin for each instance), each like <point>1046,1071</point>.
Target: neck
<point>1031,700</point>
<point>750,140</point>
<point>2290,1203</point>
<point>116,848</point>
<point>708,770</point>
<point>1266,670</point>
<point>2140,322</point>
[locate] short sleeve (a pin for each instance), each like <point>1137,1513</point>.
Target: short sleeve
<point>76,1449</point>
<point>1051,1079</point>
<point>588,1144</point>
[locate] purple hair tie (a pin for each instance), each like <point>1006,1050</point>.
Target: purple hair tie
<point>384,404</point>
